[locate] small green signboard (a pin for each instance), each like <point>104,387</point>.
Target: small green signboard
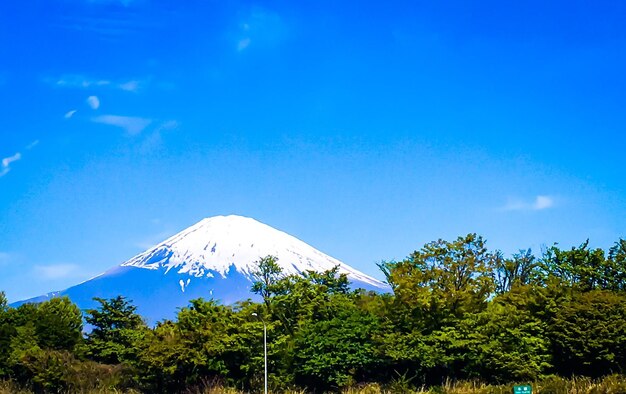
<point>523,389</point>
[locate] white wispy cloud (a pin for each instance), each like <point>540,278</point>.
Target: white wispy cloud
<point>57,271</point>
<point>130,86</point>
<point>69,114</point>
<point>8,160</point>
<point>132,124</point>
<point>167,125</point>
<point>540,203</point>
<point>260,27</point>
<point>78,81</point>
<point>154,139</point>
<point>6,163</point>
<point>543,202</point>
<point>5,166</point>
<point>93,102</point>
<point>243,43</point>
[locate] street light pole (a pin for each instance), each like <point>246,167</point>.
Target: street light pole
<point>264,350</point>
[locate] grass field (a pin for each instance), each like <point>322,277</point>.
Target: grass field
<point>614,384</point>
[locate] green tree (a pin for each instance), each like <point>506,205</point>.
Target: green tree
<point>504,343</point>
<point>443,281</point>
<point>23,348</point>
<point>116,328</point>
<point>438,290</point>
<point>4,303</point>
<point>159,364</point>
<point>521,269</point>
<point>338,351</point>
<point>6,332</point>
<point>206,329</point>
<point>589,334</point>
<point>329,281</point>
<point>266,276</point>
<point>582,267</point>
<point>209,342</point>
<point>59,324</point>
<point>617,262</point>
<point>305,298</point>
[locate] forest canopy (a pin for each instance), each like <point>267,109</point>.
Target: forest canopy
<point>457,311</point>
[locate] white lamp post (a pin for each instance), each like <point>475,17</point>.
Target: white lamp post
<point>264,350</point>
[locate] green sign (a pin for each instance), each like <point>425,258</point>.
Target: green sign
<point>524,389</point>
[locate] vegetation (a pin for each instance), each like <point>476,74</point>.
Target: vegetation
<point>460,319</point>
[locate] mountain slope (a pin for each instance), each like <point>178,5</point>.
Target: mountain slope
<point>213,258</point>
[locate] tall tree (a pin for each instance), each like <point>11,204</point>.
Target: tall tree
<point>4,303</point>
<point>266,276</point>
<point>444,280</point>
<point>59,324</point>
<point>589,334</point>
<point>505,342</point>
<point>617,262</point>
<point>116,326</point>
<point>7,330</point>
<point>338,351</point>
<point>582,267</point>
<point>518,270</point>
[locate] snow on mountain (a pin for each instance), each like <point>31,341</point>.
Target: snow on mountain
<point>214,258</point>
<point>215,244</point>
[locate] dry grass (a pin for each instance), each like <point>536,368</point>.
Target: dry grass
<point>10,388</point>
<point>614,384</point>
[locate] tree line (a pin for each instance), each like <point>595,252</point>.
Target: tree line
<point>457,311</point>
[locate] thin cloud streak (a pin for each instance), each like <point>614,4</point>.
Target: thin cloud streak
<point>8,160</point>
<point>6,163</point>
<point>5,166</point>
<point>133,125</point>
<point>540,203</point>
<point>154,140</point>
<point>57,271</point>
<point>130,86</point>
<point>79,81</point>
<point>543,202</point>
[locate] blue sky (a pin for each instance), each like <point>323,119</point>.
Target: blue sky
<point>365,129</point>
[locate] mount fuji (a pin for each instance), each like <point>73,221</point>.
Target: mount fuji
<point>215,258</point>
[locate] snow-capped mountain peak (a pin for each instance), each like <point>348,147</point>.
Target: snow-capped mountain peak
<point>220,243</point>
<point>214,258</point>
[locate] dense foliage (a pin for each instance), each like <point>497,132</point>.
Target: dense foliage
<point>457,312</point>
